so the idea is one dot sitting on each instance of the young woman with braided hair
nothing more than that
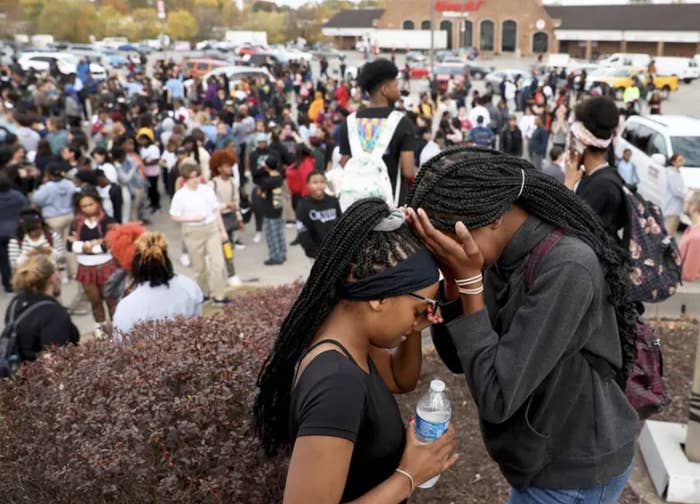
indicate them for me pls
(533, 333)
(350, 340)
(159, 293)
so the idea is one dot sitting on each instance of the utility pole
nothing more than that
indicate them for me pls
(432, 36)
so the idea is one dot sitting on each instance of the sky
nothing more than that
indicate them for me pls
(297, 3)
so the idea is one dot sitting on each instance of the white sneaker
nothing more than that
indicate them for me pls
(257, 238)
(99, 332)
(234, 281)
(239, 246)
(290, 225)
(185, 260)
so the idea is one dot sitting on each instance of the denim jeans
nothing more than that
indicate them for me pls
(607, 493)
(274, 235)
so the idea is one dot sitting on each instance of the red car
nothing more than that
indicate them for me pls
(419, 71)
(447, 71)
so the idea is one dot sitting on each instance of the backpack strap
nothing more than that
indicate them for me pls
(28, 311)
(388, 129)
(354, 135)
(538, 253)
(605, 370)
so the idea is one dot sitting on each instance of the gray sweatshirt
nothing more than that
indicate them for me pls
(547, 418)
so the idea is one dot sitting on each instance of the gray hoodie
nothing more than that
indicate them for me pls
(547, 418)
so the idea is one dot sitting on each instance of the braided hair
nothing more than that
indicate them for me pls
(477, 186)
(351, 251)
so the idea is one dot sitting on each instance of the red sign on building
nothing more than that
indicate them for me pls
(452, 6)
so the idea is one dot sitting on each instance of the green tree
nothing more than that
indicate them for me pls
(141, 23)
(72, 20)
(181, 25)
(110, 22)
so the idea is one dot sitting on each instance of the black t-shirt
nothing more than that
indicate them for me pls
(603, 192)
(335, 397)
(315, 218)
(403, 140)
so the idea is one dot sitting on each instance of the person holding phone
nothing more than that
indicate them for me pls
(588, 172)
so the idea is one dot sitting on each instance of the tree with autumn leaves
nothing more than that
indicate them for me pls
(78, 20)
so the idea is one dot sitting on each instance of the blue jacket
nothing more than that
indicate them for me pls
(11, 204)
(55, 198)
(482, 136)
(538, 142)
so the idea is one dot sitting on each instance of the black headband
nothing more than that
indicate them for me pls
(413, 273)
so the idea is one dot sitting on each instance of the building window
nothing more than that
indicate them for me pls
(425, 24)
(486, 36)
(540, 42)
(466, 33)
(446, 25)
(409, 25)
(508, 36)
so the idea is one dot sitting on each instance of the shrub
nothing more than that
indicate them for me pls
(164, 418)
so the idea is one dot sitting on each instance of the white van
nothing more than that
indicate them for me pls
(685, 68)
(652, 140)
(637, 60)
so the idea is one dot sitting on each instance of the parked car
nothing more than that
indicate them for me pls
(415, 57)
(685, 69)
(620, 79)
(652, 140)
(328, 53)
(66, 63)
(494, 79)
(478, 72)
(626, 60)
(444, 72)
(419, 70)
(236, 73)
(199, 67)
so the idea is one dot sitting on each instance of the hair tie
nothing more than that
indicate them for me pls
(522, 184)
(391, 222)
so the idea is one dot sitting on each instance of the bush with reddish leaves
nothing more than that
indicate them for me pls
(164, 418)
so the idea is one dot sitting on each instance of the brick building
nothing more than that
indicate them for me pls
(527, 27)
(492, 26)
(655, 29)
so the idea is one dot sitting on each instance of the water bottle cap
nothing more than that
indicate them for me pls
(437, 386)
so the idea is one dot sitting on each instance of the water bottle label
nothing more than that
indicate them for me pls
(430, 430)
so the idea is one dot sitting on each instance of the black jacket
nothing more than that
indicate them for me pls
(47, 325)
(512, 141)
(603, 192)
(270, 188)
(547, 417)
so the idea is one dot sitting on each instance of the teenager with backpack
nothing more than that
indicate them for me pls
(588, 172)
(34, 318)
(35, 237)
(527, 337)
(377, 139)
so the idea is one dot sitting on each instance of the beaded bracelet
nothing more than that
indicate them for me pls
(410, 479)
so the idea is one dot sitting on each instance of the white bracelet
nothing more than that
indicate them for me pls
(410, 479)
(469, 292)
(469, 281)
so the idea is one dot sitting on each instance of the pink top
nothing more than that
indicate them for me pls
(690, 253)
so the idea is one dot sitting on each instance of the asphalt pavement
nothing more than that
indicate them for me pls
(249, 262)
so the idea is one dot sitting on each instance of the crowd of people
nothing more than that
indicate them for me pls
(85, 165)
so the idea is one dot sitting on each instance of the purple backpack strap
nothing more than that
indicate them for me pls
(538, 253)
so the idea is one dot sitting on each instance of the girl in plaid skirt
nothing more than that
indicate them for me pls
(95, 262)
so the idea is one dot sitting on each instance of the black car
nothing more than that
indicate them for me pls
(478, 72)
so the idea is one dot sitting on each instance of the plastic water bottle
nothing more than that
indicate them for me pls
(432, 418)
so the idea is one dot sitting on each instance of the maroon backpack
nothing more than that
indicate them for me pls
(644, 385)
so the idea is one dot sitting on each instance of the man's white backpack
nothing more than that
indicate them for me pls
(365, 175)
